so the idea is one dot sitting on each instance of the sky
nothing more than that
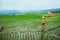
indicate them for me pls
(28, 5)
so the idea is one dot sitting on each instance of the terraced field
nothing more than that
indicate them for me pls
(28, 22)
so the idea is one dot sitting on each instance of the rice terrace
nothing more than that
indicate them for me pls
(28, 26)
(29, 19)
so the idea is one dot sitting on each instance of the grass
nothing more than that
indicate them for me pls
(32, 21)
(28, 22)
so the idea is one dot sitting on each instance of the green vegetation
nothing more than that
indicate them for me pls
(28, 22)
(32, 21)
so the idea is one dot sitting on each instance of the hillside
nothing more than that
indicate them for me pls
(17, 12)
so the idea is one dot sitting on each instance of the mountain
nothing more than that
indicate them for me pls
(51, 10)
(9, 12)
(17, 12)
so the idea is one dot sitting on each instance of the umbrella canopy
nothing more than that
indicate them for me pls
(51, 14)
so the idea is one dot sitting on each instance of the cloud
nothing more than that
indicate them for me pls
(29, 4)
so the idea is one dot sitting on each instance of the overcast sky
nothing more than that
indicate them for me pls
(25, 5)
